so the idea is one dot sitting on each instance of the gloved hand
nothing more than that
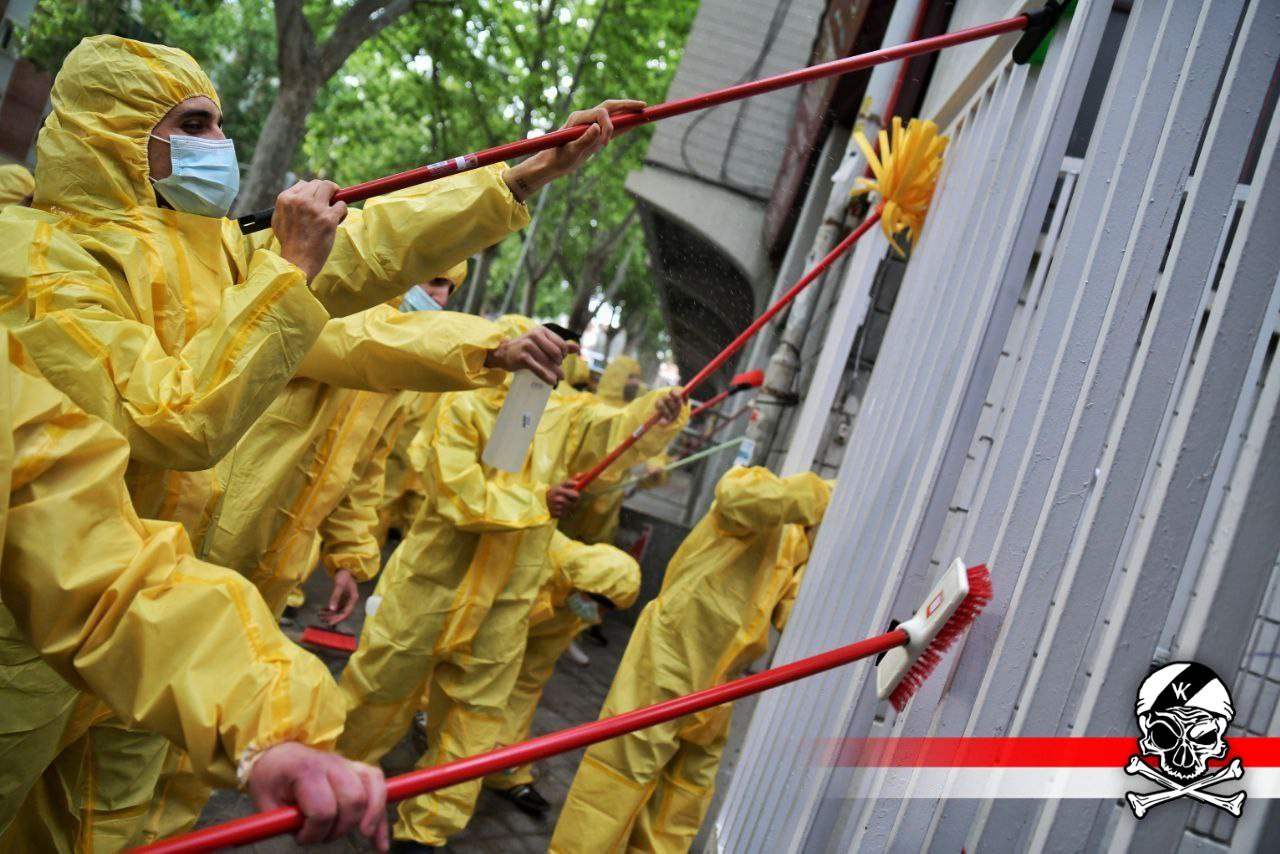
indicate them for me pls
(335, 795)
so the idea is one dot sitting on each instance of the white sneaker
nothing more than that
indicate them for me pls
(576, 655)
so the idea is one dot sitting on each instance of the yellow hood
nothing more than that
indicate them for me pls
(16, 184)
(457, 275)
(614, 379)
(576, 372)
(91, 156)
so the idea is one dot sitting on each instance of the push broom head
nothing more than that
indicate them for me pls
(751, 379)
(948, 611)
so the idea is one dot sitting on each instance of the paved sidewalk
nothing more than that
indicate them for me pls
(573, 696)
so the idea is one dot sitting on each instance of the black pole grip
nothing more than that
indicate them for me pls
(566, 334)
(258, 221)
(1039, 24)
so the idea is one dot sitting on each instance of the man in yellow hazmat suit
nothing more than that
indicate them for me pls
(288, 481)
(402, 489)
(16, 185)
(147, 308)
(738, 570)
(456, 595)
(620, 381)
(79, 606)
(595, 520)
(582, 583)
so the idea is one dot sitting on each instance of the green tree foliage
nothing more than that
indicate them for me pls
(445, 79)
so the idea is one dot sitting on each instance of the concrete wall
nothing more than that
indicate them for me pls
(704, 188)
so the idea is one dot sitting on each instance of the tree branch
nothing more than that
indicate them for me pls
(295, 40)
(361, 22)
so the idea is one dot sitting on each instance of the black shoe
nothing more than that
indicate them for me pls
(408, 846)
(596, 635)
(526, 799)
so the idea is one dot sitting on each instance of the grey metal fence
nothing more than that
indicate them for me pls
(1077, 386)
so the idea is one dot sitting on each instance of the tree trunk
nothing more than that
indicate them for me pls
(478, 281)
(580, 314)
(280, 138)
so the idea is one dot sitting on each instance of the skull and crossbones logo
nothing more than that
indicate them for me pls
(1183, 711)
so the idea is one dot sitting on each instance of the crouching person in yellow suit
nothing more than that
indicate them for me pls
(105, 612)
(584, 582)
(738, 570)
(456, 596)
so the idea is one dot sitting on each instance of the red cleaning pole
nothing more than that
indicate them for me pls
(583, 480)
(923, 648)
(742, 382)
(423, 174)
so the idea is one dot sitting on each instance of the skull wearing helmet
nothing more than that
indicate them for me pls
(1183, 710)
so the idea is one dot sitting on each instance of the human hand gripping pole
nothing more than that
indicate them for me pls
(1037, 24)
(916, 646)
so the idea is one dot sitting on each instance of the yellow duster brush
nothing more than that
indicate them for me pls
(906, 172)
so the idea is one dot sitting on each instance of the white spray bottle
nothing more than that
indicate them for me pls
(518, 419)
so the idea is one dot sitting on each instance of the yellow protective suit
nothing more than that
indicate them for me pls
(16, 184)
(738, 568)
(402, 489)
(573, 566)
(402, 492)
(174, 328)
(86, 586)
(130, 308)
(291, 483)
(293, 466)
(457, 594)
(596, 518)
(577, 375)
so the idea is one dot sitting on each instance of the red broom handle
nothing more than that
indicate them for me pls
(725, 421)
(261, 826)
(710, 403)
(555, 139)
(586, 478)
(423, 174)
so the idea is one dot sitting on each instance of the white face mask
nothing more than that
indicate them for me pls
(583, 607)
(205, 177)
(416, 299)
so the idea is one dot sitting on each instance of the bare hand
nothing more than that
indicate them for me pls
(528, 177)
(305, 222)
(669, 407)
(540, 350)
(343, 599)
(562, 499)
(335, 795)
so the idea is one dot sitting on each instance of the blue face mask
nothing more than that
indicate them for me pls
(416, 299)
(205, 177)
(583, 607)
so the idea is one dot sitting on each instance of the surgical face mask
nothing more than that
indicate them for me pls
(416, 299)
(205, 177)
(583, 607)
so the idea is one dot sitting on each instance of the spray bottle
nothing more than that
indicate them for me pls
(521, 411)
